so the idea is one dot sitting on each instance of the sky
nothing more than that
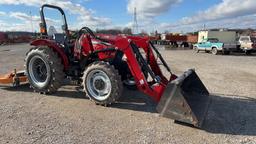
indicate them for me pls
(162, 15)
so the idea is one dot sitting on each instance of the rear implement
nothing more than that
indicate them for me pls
(15, 78)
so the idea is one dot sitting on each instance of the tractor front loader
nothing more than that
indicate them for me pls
(104, 64)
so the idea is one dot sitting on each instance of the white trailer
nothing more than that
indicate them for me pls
(222, 36)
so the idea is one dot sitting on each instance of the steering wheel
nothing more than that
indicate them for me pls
(88, 30)
(91, 33)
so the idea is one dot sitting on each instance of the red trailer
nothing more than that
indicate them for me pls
(192, 38)
(178, 40)
(19, 37)
(3, 38)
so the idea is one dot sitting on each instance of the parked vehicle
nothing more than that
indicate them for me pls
(103, 64)
(15, 37)
(176, 40)
(248, 44)
(214, 46)
(3, 38)
(192, 39)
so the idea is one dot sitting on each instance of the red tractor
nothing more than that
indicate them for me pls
(103, 64)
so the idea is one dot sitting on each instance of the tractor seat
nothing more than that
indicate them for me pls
(62, 41)
(59, 38)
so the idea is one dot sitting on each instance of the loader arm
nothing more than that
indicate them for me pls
(148, 48)
(135, 62)
(183, 98)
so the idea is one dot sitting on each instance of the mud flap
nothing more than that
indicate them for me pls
(185, 99)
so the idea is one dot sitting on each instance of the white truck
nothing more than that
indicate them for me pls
(248, 44)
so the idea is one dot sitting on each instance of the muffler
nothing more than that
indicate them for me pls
(185, 99)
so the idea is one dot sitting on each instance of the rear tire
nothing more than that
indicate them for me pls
(226, 52)
(44, 70)
(248, 52)
(102, 83)
(215, 51)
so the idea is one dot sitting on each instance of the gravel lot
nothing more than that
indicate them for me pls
(68, 117)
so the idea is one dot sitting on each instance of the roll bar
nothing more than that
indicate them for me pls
(43, 25)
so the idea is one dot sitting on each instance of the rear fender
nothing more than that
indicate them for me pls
(51, 44)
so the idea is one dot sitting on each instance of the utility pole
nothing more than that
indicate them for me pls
(31, 21)
(135, 22)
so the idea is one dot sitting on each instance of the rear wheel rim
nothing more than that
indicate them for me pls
(38, 71)
(98, 85)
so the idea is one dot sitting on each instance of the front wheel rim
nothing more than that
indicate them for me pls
(195, 49)
(214, 51)
(98, 85)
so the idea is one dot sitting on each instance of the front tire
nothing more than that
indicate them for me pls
(196, 49)
(44, 70)
(102, 83)
(215, 51)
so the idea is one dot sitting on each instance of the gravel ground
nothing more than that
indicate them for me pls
(68, 117)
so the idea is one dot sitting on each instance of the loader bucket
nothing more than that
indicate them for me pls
(185, 99)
